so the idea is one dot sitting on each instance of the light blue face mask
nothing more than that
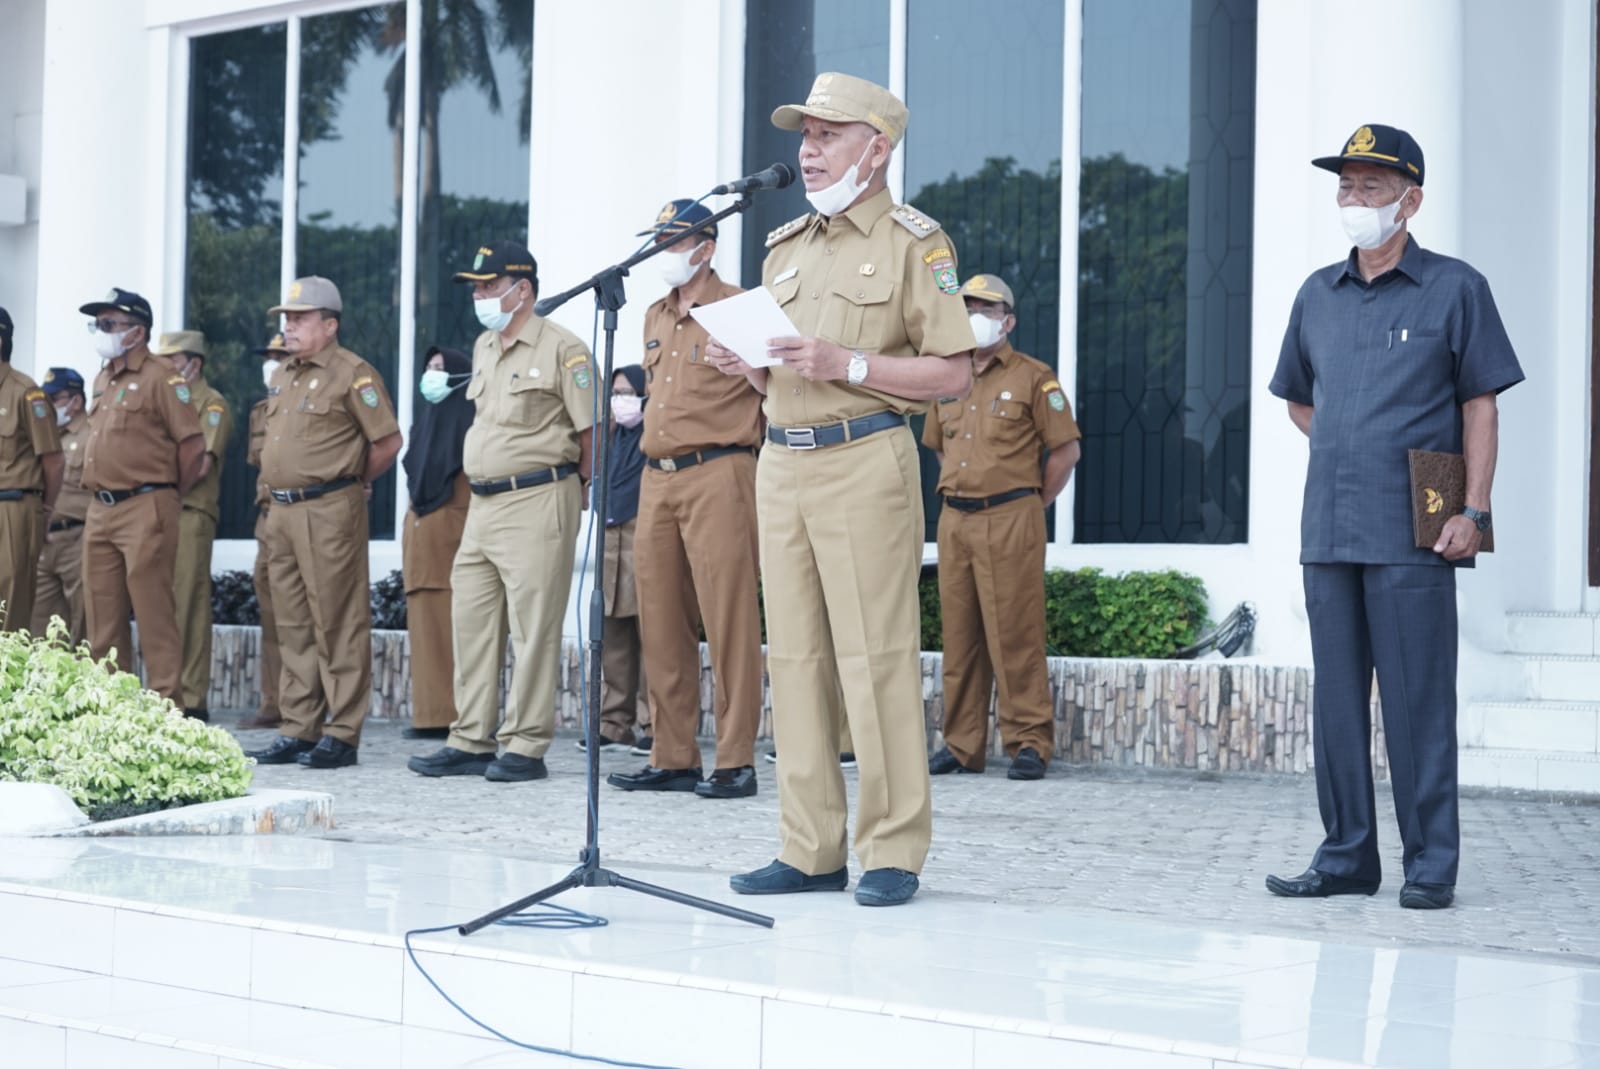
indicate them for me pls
(436, 385)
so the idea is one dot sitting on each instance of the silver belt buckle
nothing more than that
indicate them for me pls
(105, 497)
(800, 437)
(667, 464)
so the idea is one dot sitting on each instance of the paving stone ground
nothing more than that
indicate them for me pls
(1181, 847)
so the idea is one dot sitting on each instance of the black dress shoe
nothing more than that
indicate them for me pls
(425, 733)
(202, 715)
(329, 753)
(449, 761)
(650, 778)
(280, 751)
(515, 768)
(779, 878)
(1427, 895)
(945, 762)
(728, 783)
(1314, 884)
(1026, 765)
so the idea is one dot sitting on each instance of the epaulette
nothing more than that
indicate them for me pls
(787, 230)
(915, 221)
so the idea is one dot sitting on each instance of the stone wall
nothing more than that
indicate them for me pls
(1214, 715)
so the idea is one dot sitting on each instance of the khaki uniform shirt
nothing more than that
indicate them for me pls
(137, 418)
(533, 399)
(258, 435)
(692, 405)
(73, 501)
(216, 424)
(994, 439)
(27, 431)
(878, 278)
(323, 410)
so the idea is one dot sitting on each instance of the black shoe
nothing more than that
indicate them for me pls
(329, 753)
(847, 760)
(885, 887)
(1427, 895)
(606, 745)
(781, 879)
(1314, 884)
(650, 778)
(515, 768)
(425, 733)
(728, 783)
(945, 762)
(449, 761)
(280, 751)
(1026, 765)
(642, 746)
(202, 715)
(256, 721)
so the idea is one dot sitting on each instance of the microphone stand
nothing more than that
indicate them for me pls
(609, 296)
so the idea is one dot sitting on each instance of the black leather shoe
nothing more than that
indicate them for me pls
(945, 762)
(642, 746)
(202, 715)
(650, 778)
(606, 745)
(280, 751)
(425, 733)
(728, 783)
(1427, 895)
(449, 761)
(1026, 765)
(1314, 884)
(329, 753)
(515, 768)
(781, 879)
(885, 887)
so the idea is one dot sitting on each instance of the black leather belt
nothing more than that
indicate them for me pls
(689, 460)
(116, 497)
(64, 525)
(523, 481)
(978, 504)
(16, 495)
(834, 433)
(311, 493)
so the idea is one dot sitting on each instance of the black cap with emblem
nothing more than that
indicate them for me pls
(120, 300)
(501, 258)
(6, 330)
(1383, 146)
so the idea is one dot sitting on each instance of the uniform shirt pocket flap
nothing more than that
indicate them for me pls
(864, 290)
(785, 291)
(528, 381)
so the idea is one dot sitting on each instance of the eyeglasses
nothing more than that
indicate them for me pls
(111, 326)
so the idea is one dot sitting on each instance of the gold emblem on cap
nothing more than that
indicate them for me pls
(1361, 141)
(1435, 500)
(666, 215)
(294, 291)
(977, 282)
(867, 269)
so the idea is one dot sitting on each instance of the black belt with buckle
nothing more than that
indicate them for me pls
(16, 495)
(64, 525)
(978, 504)
(689, 460)
(523, 481)
(311, 493)
(834, 433)
(116, 497)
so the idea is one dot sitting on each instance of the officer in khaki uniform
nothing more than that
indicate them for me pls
(30, 478)
(696, 553)
(871, 287)
(142, 456)
(997, 483)
(197, 525)
(269, 665)
(58, 589)
(330, 431)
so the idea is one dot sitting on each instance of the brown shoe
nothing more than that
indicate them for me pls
(250, 723)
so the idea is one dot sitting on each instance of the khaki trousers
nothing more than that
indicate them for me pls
(511, 577)
(991, 598)
(130, 551)
(58, 585)
(433, 666)
(624, 700)
(21, 538)
(697, 558)
(322, 604)
(271, 664)
(192, 593)
(841, 549)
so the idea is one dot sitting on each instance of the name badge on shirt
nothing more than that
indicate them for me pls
(786, 276)
(652, 344)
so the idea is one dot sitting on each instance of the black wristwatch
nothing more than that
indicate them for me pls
(1479, 518)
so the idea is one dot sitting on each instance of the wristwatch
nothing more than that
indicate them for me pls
(1479, 518)
(856, 373)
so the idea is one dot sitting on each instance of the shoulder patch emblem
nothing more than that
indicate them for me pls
(41, 407)
(942, 262)
(914, 221)
(1053, 395)
(213, 416)
(182, 392)
(787, 230)
(35, 394)
(369, 394)
(580, 376)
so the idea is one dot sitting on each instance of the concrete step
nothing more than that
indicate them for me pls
(1556, 727)
(1531, 770)
(1562, 679)
(1566, 633)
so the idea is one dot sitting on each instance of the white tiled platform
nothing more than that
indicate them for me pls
(287, 952)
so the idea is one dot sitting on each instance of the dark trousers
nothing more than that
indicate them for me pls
(1401, 620)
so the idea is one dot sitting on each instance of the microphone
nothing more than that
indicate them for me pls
(777, 176)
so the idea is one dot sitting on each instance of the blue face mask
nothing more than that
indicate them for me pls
(436, 385)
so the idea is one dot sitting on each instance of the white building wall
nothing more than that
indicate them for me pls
(21, 113)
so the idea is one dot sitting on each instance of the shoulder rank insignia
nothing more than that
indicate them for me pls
(787, 230)
(914, 221)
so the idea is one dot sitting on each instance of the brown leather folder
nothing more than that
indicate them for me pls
(1438, 491)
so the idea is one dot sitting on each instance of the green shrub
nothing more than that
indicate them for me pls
(97, 734)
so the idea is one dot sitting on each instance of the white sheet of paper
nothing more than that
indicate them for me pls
(745, 322)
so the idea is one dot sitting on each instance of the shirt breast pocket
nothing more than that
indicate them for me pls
(9, 419)
(858, 313)
(1008, 422)
(129, 412)
(315, 417)
(530, 397)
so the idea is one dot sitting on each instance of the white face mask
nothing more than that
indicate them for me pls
(268, 369)
(843, 193)
(63, 417)
(986, 330)
(627, 409)
(491, 315)
(110, 346)
(1370, 227)
(675, 267)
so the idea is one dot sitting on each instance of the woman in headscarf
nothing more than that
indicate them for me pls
(432, 533)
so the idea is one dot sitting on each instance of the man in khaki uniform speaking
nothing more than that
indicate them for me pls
(58, 590)
(996, 485)
(142, 456)
(330, 432)
(533, 388)
(695, 549)
(197, 525)
(30, 478)
(871, 288)
(269, 664)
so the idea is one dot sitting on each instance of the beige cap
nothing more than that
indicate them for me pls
(988, 288)
(839, 97)
(310, 294)
(181, 341)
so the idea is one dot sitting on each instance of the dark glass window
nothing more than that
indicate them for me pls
(1164, 233)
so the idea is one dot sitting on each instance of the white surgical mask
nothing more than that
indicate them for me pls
(986, 330)
(675, 267)
(1370, 227)
(436, 385)
(490, 314)
(63, 417)
(627, 409)
(843, 193)
(110, 346)
(268, 369)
